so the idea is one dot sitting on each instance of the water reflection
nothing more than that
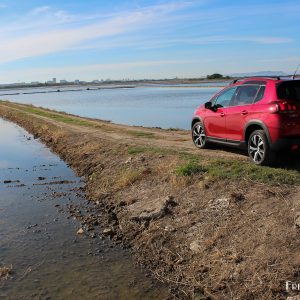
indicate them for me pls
(38, 238)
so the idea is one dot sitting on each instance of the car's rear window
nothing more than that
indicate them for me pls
(289, 90)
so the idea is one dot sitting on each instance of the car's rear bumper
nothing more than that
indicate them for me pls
(286, 144)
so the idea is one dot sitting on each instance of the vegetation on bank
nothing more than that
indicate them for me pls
(221, 169)
(217, 76)
(224, 168)
(75, 120)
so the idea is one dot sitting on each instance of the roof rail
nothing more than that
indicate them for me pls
(251, 77)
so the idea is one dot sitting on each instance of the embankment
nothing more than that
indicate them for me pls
(208, 223)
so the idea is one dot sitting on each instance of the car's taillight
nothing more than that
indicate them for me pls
(283, 107)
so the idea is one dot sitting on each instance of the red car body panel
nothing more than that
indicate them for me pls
(215, 122)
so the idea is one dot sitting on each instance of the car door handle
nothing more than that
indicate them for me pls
(222, 114)
(244, 112)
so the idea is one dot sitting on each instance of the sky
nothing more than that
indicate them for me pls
(121, 39)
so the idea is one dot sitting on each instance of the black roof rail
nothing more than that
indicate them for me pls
(251, 77)
(234, 81)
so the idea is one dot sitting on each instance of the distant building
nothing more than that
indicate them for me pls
(63, 81)
(77, 81)
(18, 83)
(53, 81)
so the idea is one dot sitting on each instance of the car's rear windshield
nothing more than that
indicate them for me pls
(289, 90)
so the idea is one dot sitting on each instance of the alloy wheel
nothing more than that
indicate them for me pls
(199, 136)
(257, 148)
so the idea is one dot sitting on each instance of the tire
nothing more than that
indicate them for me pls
(259, 150)
(199, 136)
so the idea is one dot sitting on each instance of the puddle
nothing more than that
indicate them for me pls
(38, 236)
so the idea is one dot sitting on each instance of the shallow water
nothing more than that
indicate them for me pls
(166, 107)
(38, 237)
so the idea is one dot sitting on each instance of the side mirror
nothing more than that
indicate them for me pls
(208, 105)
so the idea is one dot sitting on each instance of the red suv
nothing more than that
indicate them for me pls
(258, 114)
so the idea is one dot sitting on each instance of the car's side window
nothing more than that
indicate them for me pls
(225, 97)
(260, 94)
(246, 94)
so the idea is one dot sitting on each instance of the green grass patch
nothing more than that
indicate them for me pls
(136, 150)
(141, 134)
(236, 169)
(58, 117)
(224, 169)
(190, 168)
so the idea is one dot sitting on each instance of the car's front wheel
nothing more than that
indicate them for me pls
(259, 149)
(199, 136)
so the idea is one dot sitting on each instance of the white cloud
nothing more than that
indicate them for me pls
(37, 37)
(40, 10)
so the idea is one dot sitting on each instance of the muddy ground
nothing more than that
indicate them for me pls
(208, 223)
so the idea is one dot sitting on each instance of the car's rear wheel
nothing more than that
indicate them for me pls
(199, 136)
(259, 149)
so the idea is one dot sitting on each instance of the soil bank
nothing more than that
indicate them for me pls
(208, 223)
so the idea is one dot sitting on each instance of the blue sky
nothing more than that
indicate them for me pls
(145, 39)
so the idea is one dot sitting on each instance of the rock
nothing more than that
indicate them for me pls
(169, 228)
(108, 231)
(128, 161)
(7, 181)
(152, 210)
(80, 231)
(41, 178)
(297, 221)
(195, 246)
(31, 226)
(218, 204)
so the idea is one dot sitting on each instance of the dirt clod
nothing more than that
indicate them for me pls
(80, 231)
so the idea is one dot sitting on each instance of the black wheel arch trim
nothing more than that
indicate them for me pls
(197, 119)
(261, 124)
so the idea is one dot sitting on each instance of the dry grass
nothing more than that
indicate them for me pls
(128, 177)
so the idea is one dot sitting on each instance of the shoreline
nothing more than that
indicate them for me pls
(81, 89)
(208, 223)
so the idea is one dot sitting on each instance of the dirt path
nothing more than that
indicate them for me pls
(151, 137)
(208, 223)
